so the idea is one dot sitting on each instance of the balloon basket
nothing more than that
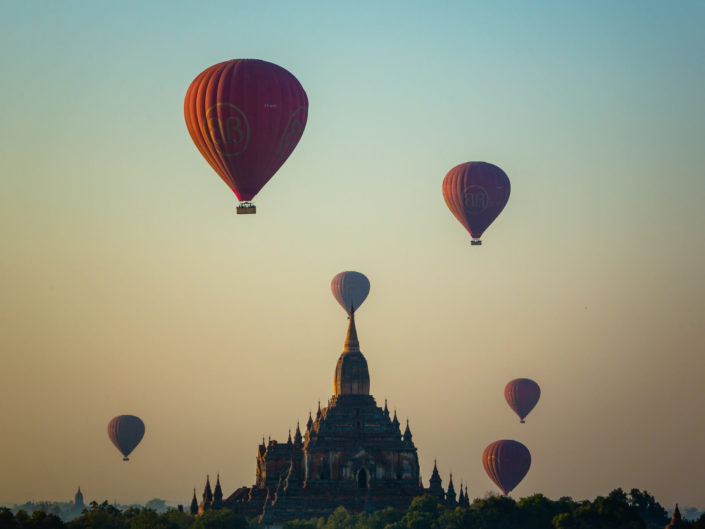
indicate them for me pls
(125, 458)
(522, 421)
(246, 208)
(476, 242)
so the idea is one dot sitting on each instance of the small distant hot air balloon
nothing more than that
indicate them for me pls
(126, 432)
(476, 192)
(522, 394)
(246, 116)
(350, 289)
(506, 463)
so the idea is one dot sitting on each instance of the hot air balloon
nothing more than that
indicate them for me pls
(476, 192)
(522, 394)
(126, 432)
(506, 463)
(246, 116)
(350, 289)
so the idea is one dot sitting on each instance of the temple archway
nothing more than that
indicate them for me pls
(362, 479)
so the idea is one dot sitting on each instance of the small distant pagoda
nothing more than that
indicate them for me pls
(676, 520)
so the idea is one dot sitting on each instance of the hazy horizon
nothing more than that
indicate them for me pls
(131, 287)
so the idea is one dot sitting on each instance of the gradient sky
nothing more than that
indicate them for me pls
(130, 286)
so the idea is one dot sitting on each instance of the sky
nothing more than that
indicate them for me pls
(129, 285)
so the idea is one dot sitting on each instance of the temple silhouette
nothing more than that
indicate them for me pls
(352, 454)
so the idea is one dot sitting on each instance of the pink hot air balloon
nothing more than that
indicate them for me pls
(522, 394)
(126, 432)
(506, 463)
(350, 289)
(246, 116)
(476, 192)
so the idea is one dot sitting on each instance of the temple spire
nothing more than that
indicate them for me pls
(676, 520)
(435, 484)
(217, 494)
(297, 435)
(450, 495)
(207, 493)
(194, 503)
(352, 377)
(351, 343)
(407, 433)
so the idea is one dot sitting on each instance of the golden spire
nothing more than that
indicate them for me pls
(351, 343)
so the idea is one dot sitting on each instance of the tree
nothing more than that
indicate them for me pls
(150, 519)
(651, 511)
(7, 520)
(458, 518)
(611, 512)
(497, 512)
(538, 512)
(219, 519)
(100, 516)
(156, 504)
(382, 518)
(178, 519)
(339, 519)
(43, 520)
(699, 523)
(301, 524)
(422, 513)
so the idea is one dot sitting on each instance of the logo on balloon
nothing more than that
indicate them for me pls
(293, 132)
(476, 199)
(228, 129)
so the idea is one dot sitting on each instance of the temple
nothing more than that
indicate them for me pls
(351, 454)
(676, 520)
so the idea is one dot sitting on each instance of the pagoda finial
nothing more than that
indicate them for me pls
(407, 432)
(297, 435)
(351, 342)
(676, 520)
(207, 492)
(194, 504)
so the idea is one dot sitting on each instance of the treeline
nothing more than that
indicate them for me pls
(618, 510)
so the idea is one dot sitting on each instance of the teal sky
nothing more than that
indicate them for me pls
(130, 286)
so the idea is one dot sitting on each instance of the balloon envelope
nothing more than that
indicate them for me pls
(246, 116)
(476, 192)
(506, 463)
(350, 289)
(522, 394)
(126, 432)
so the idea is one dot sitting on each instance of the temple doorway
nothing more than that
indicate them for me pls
(362, 479)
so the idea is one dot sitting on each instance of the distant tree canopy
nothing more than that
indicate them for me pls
(618, 510)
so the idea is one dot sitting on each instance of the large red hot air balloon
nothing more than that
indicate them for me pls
(522, 394)
(246, 117)
(350, 289)
(126, 432)
(476, 192)
(506, 463)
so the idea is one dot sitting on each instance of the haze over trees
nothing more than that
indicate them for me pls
(618, 510)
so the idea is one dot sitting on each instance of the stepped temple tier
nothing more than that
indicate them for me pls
(351, 454)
